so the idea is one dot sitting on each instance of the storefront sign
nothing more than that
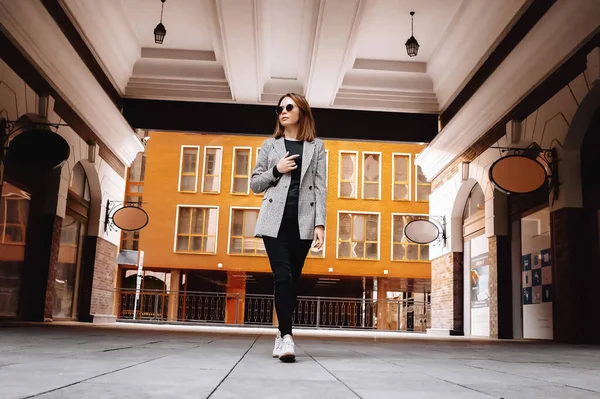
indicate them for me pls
(421, 231)
(130, 218)
(518, 174)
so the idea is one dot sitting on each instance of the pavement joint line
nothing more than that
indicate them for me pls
(532, 378)
(233, 368)
(429, 375)
(94, 377)
(333, 375)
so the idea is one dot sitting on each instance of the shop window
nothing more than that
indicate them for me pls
(213, 160)
(371, 176)
(358, 236)
(348, 175)
(241, 237)
(402, 248)
(401, 177)
(197, 229)
(240, 179)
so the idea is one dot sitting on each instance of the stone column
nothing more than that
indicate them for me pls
(500, 287)
(383, 319)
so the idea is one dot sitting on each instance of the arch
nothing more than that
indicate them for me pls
(571, 194)
(460, 201)
(95, 198)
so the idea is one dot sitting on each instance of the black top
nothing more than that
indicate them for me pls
(291, 205)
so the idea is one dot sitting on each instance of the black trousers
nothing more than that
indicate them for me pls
(287, 254)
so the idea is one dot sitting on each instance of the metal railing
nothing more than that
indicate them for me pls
(253, 309)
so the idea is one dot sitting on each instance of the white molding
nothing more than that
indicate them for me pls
(362, 194)
(340, 152)
(337, 240)
(549, 43)
(235, 148)
(183, 147)
(208, 147)
(409, 173)
(34, 31)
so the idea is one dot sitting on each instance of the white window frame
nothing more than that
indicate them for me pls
(356, 167)
(417, 185)
(233, 166)
(179, 206)
(409, 175)
(231, 209)
(255, 162)
(363, 175)
(337, 239)
(392, 237)
(206, 148)
(183, 147)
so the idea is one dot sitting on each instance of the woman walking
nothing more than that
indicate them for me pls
(291, 171)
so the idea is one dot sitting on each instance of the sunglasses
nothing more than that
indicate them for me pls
(288, 108)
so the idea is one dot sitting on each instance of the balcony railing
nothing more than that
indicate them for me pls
(253, 309)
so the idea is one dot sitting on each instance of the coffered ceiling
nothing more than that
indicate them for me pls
(346, 54)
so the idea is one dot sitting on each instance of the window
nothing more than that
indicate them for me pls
(371, 176)
(213, 161)
(402, 249)
(197, 229)
(326, 168)
(401, 177)
(14, 212)
(188, 169)
(240, 179)
(423, 188)
(348, 174)
(241, 237)
(255, 162)
(358, 235)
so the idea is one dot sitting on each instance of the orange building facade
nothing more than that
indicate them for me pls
(195, 188)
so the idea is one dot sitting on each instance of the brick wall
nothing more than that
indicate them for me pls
(105, 268)
(500, 286)
(447, 292)
(52, 264)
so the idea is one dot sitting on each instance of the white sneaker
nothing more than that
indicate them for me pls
(278, 345)
(287, 353)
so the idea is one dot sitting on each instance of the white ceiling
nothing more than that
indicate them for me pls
(339, 53)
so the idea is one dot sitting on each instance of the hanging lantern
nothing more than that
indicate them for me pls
(160, 31)
(412, 45)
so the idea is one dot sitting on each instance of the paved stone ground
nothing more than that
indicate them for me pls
(84, 361)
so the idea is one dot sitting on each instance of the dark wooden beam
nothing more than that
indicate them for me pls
(72, 34)
(530, 17)
(260, 120)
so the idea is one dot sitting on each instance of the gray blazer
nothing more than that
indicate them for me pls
(313, 191)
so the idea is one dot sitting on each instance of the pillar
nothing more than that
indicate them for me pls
(383, 317)
(173, 309)
(500, 287)
(236, 297)
(447, 295)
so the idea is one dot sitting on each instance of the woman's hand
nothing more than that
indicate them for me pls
(319, 237)
(287, 163)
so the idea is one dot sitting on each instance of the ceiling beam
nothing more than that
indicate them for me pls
(239, 32)
(334, 48)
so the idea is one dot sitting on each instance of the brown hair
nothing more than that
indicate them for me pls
(305, 119)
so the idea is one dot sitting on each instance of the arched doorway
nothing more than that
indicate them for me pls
(74, 229)
(476, 265)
